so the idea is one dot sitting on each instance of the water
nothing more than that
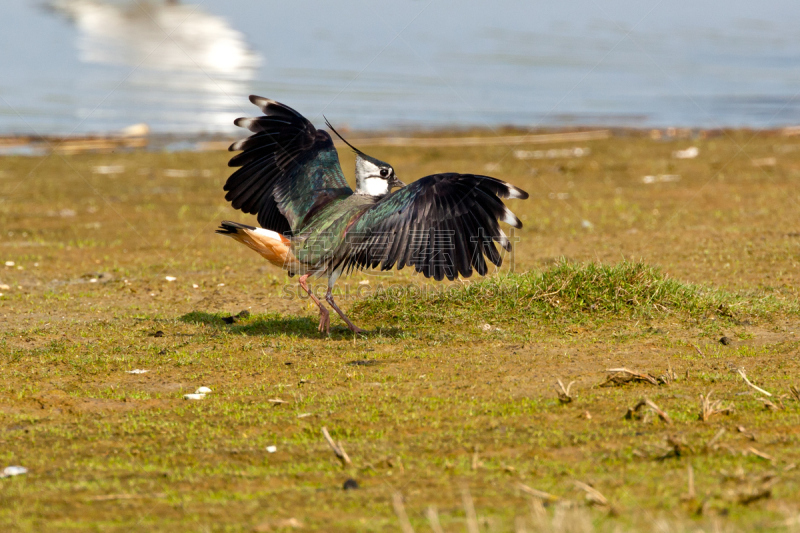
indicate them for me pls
(82, 66)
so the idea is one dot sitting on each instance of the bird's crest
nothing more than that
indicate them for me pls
(356, 150)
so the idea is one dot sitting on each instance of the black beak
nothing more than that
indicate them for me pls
(394, 182)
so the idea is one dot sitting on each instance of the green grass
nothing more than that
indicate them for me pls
(429, 402)
(565, 292)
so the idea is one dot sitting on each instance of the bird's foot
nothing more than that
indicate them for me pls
(324, 321)
(355, 329)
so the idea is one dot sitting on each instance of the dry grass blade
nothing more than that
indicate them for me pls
(761, 454)
(400, 511)
(338, 449)
(741, 372)
(593, 496)
(277, 401)
(433, 519)
(476, 458)
(690, 491)
(795, 392)
(709, 408)
(769, 405)
(620, 376)
(469, 510)
(563, 392)
(661, 413)
(112, 497)
(541, 495)
(712, 444)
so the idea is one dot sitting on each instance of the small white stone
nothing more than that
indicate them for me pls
(193, 396)
(220, 285)
(4, 287)
(170, 278)
(202, 390)
(272, 449)
(136, 371)
(9, 263)
(93, 280)
(13, 471)
(195, 286)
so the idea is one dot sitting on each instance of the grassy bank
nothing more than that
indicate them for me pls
(628, 258)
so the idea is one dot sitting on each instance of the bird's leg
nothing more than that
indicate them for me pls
(324, 315)
(329, 299)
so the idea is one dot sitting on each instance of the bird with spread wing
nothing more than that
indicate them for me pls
(313, 224)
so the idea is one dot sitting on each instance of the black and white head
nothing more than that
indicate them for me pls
(373, 176)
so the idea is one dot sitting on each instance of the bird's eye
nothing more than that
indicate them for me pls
(384, 172)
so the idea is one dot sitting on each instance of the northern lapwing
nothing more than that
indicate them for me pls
(314, 224)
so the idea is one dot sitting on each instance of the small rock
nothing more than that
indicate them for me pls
(158, 333)
(203, 390)
(725, 341)
(170, 278)
(243, 314)
(9, 263)
(136, 371)
(689, 153)
(272, 449)
(11, 471)
(350, 484)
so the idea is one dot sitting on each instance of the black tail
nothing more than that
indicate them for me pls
(232, 228)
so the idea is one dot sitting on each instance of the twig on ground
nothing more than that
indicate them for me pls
(652, 406)
(563, 393)
(541, 495)
(620, 376)
(433, 519)
(750, 435)
(593, 496)
(400, 511)
(469, 510)
(338, 449)
(744, 377)
(709, 408)
(698, 350)
(678, 447)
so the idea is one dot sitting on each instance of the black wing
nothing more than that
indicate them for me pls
(443, 225)
(288, 168)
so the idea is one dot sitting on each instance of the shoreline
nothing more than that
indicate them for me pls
(38, 145)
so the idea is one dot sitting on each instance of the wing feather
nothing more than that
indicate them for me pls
(286, 167)
(444, 225)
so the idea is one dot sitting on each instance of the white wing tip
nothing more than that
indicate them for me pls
(511, 219)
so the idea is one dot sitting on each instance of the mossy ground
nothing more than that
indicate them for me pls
(452, 391)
